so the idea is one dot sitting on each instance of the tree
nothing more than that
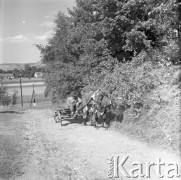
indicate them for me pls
(59, 61)
(16, 73)
(98, 35)
(27, 70)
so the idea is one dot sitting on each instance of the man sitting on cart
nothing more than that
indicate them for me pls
(73, 102)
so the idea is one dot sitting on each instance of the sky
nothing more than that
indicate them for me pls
(24, 23)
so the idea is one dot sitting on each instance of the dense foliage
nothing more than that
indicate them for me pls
(112, 44)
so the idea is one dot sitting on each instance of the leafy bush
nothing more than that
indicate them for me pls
(130, 82)
(5, 99)
(14, 97)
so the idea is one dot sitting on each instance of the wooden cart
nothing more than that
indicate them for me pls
(64, 114)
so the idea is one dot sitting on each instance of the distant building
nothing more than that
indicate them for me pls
(7, 76)
(38, 74)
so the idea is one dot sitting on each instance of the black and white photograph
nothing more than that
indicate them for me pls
(90, 89)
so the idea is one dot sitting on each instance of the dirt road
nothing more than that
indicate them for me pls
(34, 147)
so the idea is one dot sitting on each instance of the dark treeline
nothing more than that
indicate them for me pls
(28, 71)
(112, 45)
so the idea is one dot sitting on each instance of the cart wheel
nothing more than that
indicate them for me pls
(59, 117)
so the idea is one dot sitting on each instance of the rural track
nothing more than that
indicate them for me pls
(78, 152)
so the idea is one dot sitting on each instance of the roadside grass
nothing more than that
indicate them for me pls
(12, 144)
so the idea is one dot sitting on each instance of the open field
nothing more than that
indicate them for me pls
(27, 86)
(27, 93)
(24, 80)
(11, 66)
(27, 89)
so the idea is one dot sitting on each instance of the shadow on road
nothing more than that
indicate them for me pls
(72, 121)
(11, 112)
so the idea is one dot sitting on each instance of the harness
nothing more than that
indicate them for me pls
(98, 105)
